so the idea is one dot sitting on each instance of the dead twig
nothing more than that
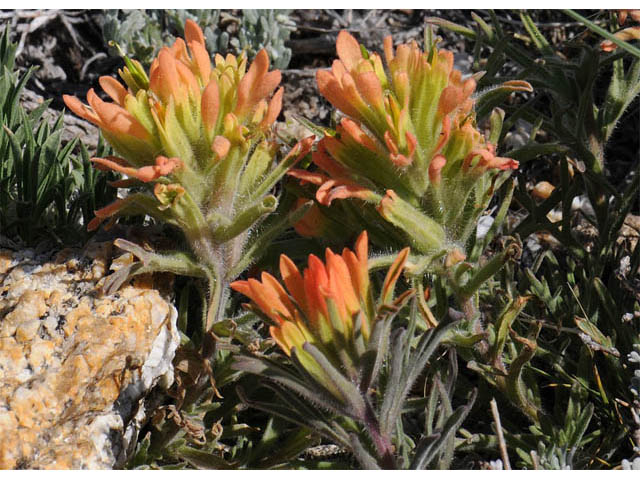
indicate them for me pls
(70, 29)
(333, 14)
(501, 442)
(306, 72)
(85, 67)
(534, 460)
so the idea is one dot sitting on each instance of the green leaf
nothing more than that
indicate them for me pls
(396, 382)
(245, 219)
(7, 50)
(623, 88)
(484, 26)
(497, 224)
(179, 263)
(354, 400)
(494, 96)
(431, 445)
(602, 32)
(289, 448)
(536, 36)
(372, 359)
(314, 392)
(366, 460)
(273, 177)
(454, 27)
(294, 409)
(205, 460)
(581, 424)
(488, 270)
(503, 324)
(595, 340)
(535, 150)
(516, 388)
(496, 120)
(406, 375)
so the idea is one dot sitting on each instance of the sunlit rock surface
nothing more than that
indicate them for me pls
(75, 364)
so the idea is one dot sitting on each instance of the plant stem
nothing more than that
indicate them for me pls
(215, 308)
(384, 447)
(471, 312)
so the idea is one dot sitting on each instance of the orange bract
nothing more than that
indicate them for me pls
(186, 116)
(184, 90)
(409, 129)
(394, 118)
(320, 305)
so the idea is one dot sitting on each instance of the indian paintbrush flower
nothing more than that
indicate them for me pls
(196, 138)
(329, 306)
(408, 144)
(352, 368)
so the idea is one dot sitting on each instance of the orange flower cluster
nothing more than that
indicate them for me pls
(329, 305)
(343, 284)
(408, 132)
(184, 91)
(185, 117)
(195, 138)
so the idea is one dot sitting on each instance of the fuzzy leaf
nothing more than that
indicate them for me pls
(372, 359)
(498, 222)
(454, 27)
(178, 263)
(300, 413)
(396, 383)
(430, 445)
(591, 336)
(488, 270)
(352, 396)
(270, 370)
(201, 459)
(623, 88)
(536, 36)
(534, 150)
(495, 96)
(365, 459)
(245, 219)
(418, 360)
(503, 324)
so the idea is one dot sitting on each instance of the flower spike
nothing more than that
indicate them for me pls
(196, 138)
(321, 305)
(409, 130)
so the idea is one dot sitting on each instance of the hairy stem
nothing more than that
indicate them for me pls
(214, 306)
(382, 443)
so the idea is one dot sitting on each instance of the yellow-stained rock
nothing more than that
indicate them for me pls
(5, 261)
(67, 353)
(26, 331)
(40, 353)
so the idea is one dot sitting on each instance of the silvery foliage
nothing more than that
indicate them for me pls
(634, 360)
(138, 32)
(268, 29)
(554, 457)
(141, 33)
